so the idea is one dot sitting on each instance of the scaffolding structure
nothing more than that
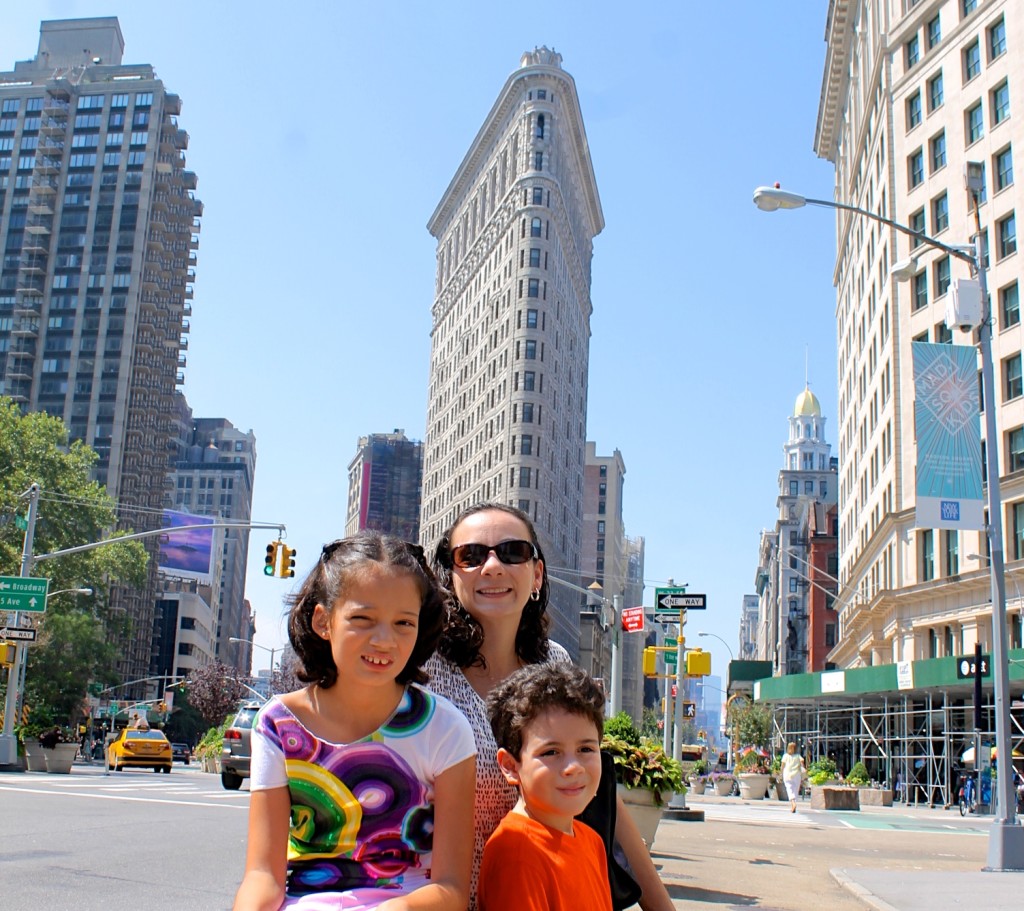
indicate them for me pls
(913, 743)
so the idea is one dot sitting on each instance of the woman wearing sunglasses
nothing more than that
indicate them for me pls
(491, 561)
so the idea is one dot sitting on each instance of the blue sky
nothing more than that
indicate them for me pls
(324, 134)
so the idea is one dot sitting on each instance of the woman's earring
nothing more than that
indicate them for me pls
(535, 595)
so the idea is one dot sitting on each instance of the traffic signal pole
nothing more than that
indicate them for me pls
(15, 676)
(8, 742)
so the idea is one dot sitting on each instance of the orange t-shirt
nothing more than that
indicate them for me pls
(529, 866)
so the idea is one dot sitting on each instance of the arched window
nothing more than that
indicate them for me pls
(539, 131)
(535, 227)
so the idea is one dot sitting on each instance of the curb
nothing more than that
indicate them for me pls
(865, 895)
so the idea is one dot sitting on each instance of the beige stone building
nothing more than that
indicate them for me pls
(510, 344)
(912, 91)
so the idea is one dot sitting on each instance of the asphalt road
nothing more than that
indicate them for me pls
(90, 841)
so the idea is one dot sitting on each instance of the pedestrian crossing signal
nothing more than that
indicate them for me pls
(8, 652)
(270, 567)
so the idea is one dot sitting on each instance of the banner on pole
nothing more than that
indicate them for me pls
(948, 430)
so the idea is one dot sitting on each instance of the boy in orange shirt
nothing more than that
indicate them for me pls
(547, 720)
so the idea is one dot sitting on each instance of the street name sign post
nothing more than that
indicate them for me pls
(674, 600)
(24, 594)
(671, 658)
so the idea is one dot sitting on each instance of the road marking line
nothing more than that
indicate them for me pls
(181, 803)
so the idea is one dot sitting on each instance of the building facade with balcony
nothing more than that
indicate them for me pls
(911, 93)
(510, 339)
(98, 227)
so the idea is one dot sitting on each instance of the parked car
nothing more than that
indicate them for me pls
(139, 748)
(237, 750)
(181, 752)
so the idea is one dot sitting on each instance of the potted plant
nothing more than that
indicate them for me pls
(827, 792)
(868, 793)
(59, 750)
(752, 772)
(697, 779)
(208, 750)
(644, 774)
(28, 737)
(723, 782)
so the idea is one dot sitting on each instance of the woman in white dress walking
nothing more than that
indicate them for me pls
(793, 773)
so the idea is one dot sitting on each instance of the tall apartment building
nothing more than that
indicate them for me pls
(98, 228)
(384, 479)
(510, 344)
(911, 93)
(785, 572)
(213, 474)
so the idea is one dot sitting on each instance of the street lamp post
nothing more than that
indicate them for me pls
(265, 648)
(1006, 837)
(732, 657)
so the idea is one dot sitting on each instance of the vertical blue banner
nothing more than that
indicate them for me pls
(948, 428)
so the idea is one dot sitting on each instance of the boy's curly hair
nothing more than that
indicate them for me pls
(524, 695)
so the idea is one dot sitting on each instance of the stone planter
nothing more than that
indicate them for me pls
(834, 797)
(723, 786)
(211, 764)
(753, 785)
(644, 811)
(875, 797)
(35, 759)
(697, 784)
(60, 759)
(778, 790)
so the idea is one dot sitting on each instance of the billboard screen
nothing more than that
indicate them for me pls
(187, 554)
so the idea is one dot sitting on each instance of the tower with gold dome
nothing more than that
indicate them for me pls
(790, 574)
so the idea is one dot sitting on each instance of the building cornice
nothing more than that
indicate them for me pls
(502, 110)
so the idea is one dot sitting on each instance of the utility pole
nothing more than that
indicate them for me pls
(616, 686)
(8, 742)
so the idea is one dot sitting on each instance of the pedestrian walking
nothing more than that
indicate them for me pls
(793, 774)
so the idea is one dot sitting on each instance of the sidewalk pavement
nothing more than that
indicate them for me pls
(754, 853)
(931, 890)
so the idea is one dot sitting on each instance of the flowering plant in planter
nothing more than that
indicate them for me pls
(646, 766)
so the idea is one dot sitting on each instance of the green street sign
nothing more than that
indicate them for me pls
(671, 657)
(21, 522)
(23, 594)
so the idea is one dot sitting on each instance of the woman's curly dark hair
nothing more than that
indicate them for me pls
(462, 635)
(339, 562)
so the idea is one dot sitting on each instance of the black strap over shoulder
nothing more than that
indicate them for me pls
(600, 816)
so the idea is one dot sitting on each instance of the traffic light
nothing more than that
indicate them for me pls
(270, 569)
(650, 662)
(689, 710)
(287, 565)
(698, 663)
(8, 651)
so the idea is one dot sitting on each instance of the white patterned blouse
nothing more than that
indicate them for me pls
(494, 796)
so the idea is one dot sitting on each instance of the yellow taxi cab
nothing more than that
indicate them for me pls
(139, 748)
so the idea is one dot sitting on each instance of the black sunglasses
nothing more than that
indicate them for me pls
(511, 553)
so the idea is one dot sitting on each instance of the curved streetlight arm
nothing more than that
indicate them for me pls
(770, 199)
(732, 657)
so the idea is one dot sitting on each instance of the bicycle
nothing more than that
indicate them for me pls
(968, 797)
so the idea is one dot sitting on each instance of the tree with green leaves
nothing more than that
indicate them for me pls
(75, 634)
(751, 724)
